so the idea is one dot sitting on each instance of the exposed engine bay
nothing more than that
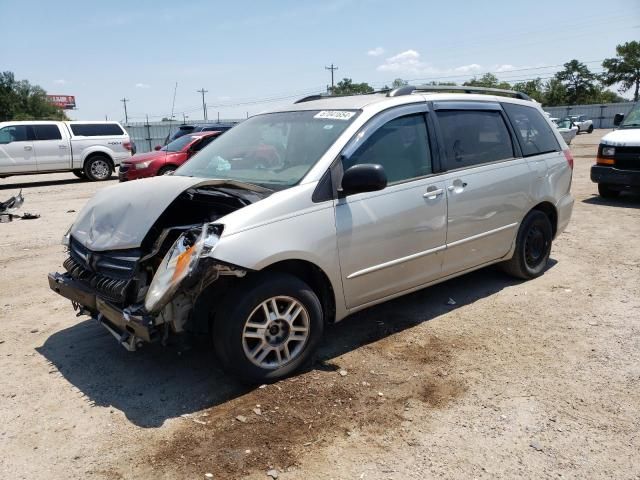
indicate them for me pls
(146, 293)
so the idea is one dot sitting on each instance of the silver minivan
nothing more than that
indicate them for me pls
(296, 218)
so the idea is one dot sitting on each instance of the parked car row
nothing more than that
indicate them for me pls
(298, 217)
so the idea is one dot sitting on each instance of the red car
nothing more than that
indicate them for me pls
(167, 158)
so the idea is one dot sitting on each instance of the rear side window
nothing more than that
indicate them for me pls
(401, 146)
(533, 131)
(96, 129)
(474, 137)
(47, 132)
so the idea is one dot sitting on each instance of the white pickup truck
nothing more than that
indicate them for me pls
(90, 150)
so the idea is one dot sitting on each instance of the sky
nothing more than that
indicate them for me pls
(251, 56)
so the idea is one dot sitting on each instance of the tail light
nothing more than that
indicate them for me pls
(127, 145)
(569, 157)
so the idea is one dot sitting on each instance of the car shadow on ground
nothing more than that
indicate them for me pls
(155, 383)
(44, 183)
(625, 200)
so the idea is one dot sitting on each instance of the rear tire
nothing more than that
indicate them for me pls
(606, 191)
(533, 247)
(260, 348)
(98, 168)
(590, 129)
(80, 174)
(166, 169)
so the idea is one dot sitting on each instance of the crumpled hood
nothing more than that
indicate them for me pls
(119, 216)
(624, 137)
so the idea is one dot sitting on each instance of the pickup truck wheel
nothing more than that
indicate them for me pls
(166, 169)
(606, 191)
(590, 129)
(80, 174)
(98, 168)
(533, 247)
(269, 329)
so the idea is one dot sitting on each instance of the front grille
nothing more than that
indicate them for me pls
(627, 158)
(111, 274)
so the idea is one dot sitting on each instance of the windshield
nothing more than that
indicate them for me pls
(273, 150)
(178, 145)
(632, 119)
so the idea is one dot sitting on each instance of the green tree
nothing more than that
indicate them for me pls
(579, 82)
(487, 80)
(624, 68)
(347, 87)
(398, 82)
(555, 93)
(19, 100)
(533, 88)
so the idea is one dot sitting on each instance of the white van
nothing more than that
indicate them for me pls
(90, 150)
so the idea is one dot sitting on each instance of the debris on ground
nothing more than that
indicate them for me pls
(342, 372)
(241, 418)
(536, 446)
(273, 473)
(8, 208)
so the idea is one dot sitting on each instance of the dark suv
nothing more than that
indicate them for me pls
(199, 127)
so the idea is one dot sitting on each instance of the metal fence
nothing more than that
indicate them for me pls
(148, 135)
(601, 114)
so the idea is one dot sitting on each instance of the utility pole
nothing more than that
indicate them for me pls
(126, 117)
(204, 105)
(184, 119)
(332, 68)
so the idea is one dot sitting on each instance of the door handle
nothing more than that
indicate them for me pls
(28, 147)
(431, 194)
(62, 147)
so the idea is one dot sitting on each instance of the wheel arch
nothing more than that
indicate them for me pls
(98, 153)
(551, 212)
(313, 276)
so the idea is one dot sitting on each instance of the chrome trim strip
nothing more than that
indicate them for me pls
(397, 261)
(480, 235)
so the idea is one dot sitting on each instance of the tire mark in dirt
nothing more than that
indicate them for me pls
(275, 425)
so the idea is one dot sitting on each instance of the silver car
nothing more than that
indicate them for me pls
(297, 218)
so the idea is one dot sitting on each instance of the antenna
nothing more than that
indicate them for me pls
(173, 106)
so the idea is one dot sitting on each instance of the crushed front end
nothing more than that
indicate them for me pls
(148, 293)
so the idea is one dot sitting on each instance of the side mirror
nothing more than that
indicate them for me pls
(366, 177)
(617, 119)
(157, 147)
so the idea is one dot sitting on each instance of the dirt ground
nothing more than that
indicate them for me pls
(536, 379)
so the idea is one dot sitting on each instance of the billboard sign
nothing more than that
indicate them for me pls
(65, 102)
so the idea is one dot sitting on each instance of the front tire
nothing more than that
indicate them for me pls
(98, 168)
(533, 247)
(606, 191)
(590, 129)
(269, 329)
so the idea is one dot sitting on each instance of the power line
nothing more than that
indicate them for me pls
(204, 105)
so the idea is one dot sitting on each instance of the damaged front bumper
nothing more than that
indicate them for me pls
(129, 328)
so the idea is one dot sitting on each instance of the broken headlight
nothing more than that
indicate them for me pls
(180, 261)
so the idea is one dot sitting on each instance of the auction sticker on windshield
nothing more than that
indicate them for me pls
(334, 115)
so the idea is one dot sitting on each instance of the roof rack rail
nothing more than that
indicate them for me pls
(409, 89)
(320, 96)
